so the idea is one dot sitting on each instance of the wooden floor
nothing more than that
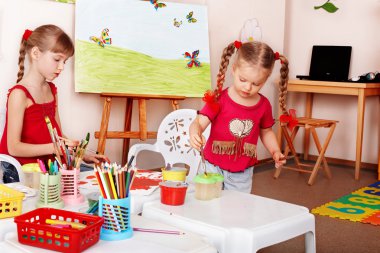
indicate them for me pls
(332, 235)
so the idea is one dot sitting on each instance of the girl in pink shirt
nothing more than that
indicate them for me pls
(239, 115)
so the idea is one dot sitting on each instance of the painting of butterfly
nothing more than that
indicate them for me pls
(190, 18)
(177, 23)
(192, 59)
(157, 4)
(104, 39)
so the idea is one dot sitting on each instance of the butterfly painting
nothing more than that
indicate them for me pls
(177, 23)
(192, 59)
(157, 4)
(190, 18)
(104, 39)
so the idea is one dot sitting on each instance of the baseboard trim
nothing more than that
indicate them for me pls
(330, 160)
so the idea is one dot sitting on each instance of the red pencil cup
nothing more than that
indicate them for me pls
(173, 193)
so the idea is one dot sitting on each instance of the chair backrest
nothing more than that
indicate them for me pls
(173, 140)
(7, 158)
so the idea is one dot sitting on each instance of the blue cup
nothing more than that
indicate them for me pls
(117, 219)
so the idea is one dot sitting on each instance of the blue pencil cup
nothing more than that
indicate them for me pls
(117, 219)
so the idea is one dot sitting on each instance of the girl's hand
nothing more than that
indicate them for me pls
(279, 159)
(69, 143)
(95, 158)
(197, 141)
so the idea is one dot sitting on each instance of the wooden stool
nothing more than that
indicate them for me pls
(312, 124)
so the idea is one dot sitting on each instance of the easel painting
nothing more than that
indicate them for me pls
(141, 47)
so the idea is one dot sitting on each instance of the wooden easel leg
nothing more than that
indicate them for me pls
(127, 128)
(175, 104)
(142, 120)
(104, 125)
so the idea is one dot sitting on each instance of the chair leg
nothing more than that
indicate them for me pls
(291, 147)
(321, 154)
(319, 148)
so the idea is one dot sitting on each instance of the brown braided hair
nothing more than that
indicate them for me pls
(46, 38)
(257, 54)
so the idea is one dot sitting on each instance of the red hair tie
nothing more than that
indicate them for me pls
(210, 99)
(277, 57)
(237, 44)
(27, 34)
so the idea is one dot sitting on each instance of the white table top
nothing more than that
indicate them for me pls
(140, 241)
(233, 209)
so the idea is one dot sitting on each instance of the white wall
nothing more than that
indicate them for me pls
(355, 24)
(81, 113)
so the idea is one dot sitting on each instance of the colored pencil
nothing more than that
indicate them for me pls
(172, 232)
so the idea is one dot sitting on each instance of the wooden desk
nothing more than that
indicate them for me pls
(361, 90)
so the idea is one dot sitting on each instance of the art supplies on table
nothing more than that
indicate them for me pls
(58, 230)
(50, 191)
(32, 175)
(114, 203)
(10, 202)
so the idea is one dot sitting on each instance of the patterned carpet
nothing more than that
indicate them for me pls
(362, 205)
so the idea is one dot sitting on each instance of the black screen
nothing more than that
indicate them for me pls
(330, 63)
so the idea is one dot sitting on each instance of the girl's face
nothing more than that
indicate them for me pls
(248, 79)
(51, 64)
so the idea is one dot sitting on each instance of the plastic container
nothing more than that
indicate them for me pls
(50, 191)
(174, 174)
(33, 230)
(69, 183)
(117, 219)
(173, 193)
(205, 186)
(32, 173)
(10, 202)
(218, 184)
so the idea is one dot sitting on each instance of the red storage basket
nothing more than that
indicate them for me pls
(34, 231)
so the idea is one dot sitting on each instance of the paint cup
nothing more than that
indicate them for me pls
(174, 174)
(32, 175)
(205, 186)
(173, 193)
(218, 184)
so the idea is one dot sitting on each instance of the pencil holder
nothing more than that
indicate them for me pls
(117, 219)
(50, 191)
(69, 183)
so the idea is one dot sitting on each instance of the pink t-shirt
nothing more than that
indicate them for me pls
(235, 130)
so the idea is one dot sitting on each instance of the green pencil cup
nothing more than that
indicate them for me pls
(50, 191)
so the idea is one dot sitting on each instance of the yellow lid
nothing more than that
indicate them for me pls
(31, 167)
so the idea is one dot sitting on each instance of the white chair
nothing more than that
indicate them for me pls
(173, 141)
(7, 158)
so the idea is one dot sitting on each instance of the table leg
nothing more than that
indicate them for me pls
(308, 112)
(104, 125)
(359, 132)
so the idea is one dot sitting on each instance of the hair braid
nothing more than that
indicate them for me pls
(227, 53)
(283, 84)
(21, 60)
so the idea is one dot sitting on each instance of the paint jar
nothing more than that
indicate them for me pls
(173, 193)
(219, 178)
(32, 175)
(205, 186)
(174, 174)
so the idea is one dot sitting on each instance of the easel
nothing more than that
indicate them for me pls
(127, 134)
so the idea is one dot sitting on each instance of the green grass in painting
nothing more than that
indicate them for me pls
(118, 70)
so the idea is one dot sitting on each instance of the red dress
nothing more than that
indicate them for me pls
(34, 129)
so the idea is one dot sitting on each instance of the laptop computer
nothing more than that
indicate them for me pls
(329, 63)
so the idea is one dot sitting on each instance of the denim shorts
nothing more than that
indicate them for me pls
(238, 181)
